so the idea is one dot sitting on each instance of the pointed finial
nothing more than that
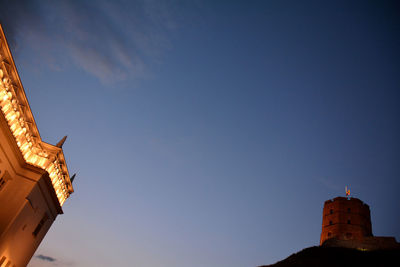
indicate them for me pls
(72, 178)
(60, 144)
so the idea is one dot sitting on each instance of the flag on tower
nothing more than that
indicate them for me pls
(347, 191)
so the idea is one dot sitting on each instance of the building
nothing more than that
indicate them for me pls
(34, 179)
(345, 219)
(346, 222)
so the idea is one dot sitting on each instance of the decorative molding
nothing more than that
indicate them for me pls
(15, 109)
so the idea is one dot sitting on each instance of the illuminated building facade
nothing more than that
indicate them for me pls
(34, 179)
(346, 219)
(346, 222)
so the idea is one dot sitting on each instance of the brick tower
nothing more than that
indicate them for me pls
(345, 219)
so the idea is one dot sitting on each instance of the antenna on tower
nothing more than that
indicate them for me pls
(347, 192)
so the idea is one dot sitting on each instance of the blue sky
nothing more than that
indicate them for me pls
(209, 133)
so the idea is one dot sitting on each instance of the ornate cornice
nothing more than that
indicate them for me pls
(15, 109)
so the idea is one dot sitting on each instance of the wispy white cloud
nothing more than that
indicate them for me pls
(112, 40)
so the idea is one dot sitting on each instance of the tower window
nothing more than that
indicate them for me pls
(3, 259)
(348, 221)
(330, 223)
(2, 182)
(4, 177)
(329, 234)
(331, 211)
(348, 210)
(40, 225)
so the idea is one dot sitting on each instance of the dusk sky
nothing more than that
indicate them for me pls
(210, 133)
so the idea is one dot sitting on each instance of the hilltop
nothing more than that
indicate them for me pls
(338, 256)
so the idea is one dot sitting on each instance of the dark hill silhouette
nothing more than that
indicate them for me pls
(338, 256)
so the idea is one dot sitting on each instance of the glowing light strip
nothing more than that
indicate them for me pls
(27, 143)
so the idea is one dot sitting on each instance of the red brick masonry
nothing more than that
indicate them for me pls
(345, 219)
(347, 223)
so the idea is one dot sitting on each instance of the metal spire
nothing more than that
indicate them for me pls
(60, 144)
(72, 178)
